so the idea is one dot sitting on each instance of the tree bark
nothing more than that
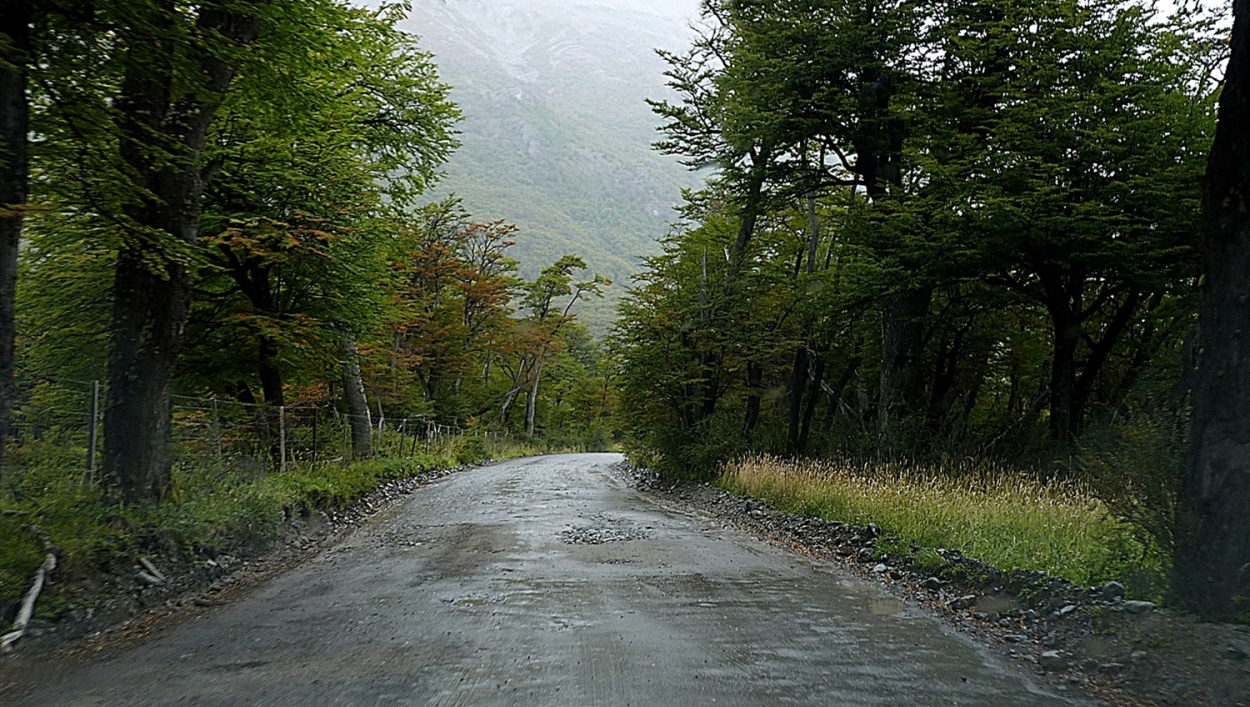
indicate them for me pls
(1098, 355)
(14, 160)
(531, 402)
(1067, 336)
(755, 379)
(798, 388)
(902, 352)
(879, 164)
(358, 418)
(1212, 557)
(518, 382)
(809, 411)
(271, 386)
(1070, 388)
(152, 290)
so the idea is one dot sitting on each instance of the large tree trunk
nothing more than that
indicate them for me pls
(1212, 560)
(902, 353)
(148, 316)
(152, 290)
(532, 401)
(879, 164)
(754, 385)
(358, 418)
(14, 158)
(1067, 336)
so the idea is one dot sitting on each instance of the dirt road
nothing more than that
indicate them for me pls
(549, 581)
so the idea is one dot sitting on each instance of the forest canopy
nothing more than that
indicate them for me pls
(225, 201)
(964, 226)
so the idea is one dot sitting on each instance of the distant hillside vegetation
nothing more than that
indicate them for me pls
(556, 132)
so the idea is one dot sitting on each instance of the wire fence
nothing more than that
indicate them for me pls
(62, 421)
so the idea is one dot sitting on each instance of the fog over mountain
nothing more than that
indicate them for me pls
(556, 132)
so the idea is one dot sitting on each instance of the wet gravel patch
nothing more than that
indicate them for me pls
(1091, 640)
(605, 530)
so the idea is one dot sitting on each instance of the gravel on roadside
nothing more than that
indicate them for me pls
(1090, 639)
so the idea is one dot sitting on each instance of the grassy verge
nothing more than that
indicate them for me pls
(212, 509)
(1005, 518)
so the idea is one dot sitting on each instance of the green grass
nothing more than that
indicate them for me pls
(1006, 518)
(211, 509)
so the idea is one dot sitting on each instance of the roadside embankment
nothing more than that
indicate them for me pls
(1093, 638)
(120, 567)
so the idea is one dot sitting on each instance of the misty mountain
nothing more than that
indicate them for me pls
(557, 134)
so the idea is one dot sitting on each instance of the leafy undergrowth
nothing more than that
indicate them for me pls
(214, 508)
(1003, 517)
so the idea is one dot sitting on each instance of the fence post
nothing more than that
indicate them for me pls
(217, 430)
(347, 425)
(282, 438)
(92, 420)
(377, 445)
(314, 439)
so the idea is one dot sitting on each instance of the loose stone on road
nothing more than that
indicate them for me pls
(550, 581)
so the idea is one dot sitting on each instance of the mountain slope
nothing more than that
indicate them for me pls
(557, 132)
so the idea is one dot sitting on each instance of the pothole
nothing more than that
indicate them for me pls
(606, 530)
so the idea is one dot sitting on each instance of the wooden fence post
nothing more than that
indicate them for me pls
(92, 422)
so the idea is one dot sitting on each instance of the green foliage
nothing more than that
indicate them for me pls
(312, 245)
(319, 146)
(1135, 467)
(211, 510)
(470, 448)
(962, 230)
(929, 561)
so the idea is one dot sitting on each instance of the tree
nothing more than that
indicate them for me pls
(555, 281)
(449, 283)
(1210, 565)
(15, 50)
(304, 194)
(1044, 182)
(179, 63)
(960, 225)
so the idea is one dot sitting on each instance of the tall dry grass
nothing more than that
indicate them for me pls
(1005, 517)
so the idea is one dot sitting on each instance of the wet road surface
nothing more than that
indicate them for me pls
(549, 581)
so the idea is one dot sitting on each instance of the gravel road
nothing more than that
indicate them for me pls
(548, 581)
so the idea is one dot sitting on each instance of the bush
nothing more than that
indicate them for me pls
(1135, 468)
(469, 449)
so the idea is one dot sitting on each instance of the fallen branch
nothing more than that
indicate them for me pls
(28, 605)
(151, 568)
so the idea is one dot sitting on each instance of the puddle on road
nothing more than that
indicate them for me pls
(885, 606)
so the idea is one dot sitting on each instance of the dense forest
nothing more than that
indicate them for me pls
(226, 201)
(958, 229)
(965, 227)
